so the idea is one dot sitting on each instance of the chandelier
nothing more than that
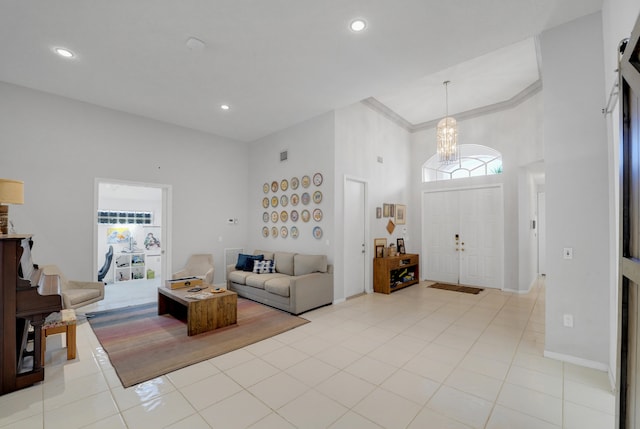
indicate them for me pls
(447, 134)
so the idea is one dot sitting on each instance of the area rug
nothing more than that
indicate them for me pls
(142, 345)
(457, 288)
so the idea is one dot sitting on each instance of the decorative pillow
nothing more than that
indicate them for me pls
(265, 266)
(245, 262)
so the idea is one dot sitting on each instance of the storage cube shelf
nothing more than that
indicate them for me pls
(129, 266)
(395, 272)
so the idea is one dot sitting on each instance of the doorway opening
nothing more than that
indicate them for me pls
(131, 239)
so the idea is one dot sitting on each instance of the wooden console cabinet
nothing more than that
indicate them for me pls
(395, 272)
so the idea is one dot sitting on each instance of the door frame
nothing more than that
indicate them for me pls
(368, 264)
(166, 225)
(629, 264)
(423, 262)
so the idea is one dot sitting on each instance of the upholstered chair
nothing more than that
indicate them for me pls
(198, 265)
(74, 293)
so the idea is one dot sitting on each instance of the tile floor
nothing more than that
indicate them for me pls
(418, 358)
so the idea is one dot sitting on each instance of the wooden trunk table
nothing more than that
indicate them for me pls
(202, 315)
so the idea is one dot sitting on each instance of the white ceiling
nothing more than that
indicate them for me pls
(276, 62)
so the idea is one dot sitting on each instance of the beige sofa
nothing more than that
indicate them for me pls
(301, 282)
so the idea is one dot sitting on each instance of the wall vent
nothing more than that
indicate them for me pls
(284, 155)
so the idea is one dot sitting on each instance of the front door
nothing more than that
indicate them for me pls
(463, 238)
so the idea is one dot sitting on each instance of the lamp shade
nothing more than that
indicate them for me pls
(11, 191)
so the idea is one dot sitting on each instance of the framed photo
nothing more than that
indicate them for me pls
(400, 242)
(379, 242)
(385, 210)
(379, 251)
(401, 250)
(378, 212)
(401, 214)
(392, 210)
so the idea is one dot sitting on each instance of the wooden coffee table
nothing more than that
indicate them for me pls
(202, 315)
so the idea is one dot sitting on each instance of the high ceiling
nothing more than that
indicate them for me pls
(276, 62)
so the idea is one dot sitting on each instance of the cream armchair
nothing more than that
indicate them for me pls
(198, 265)
(74, 293)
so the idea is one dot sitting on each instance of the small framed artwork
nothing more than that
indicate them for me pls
(379, 251)
(379, 242)
(378, 212)
(401, 214)
(400, 242)
(401, 250)
(390, 226)
(385, 210)
(392, 210)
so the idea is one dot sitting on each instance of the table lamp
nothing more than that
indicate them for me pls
(11, 192)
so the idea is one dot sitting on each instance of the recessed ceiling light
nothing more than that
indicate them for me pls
(357, 25)
(225, 107)
(63, 52)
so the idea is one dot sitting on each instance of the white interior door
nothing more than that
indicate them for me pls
(354, 238)
(463, 237)
(542, 235)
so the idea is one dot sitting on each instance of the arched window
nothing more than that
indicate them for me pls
(475, 160)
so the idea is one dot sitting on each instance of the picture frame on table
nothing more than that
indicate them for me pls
(401, 214)
(400, 242)
(379, 251)
(401, 250)
(379, 242)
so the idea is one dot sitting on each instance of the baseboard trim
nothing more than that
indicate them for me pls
(612, 380)
(577, 361)
(339, 300)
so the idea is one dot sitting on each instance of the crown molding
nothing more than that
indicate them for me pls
(523, 95)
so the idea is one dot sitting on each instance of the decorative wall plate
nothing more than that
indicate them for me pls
(274, 186)
(317, 215)
(294, 199)
(284, 184)
(265, 231)
(317, 232)
(274, 216)
(284, 201)
(305, 198)
(265, 217)
(317, 179)
(265, 188)
(294, 232)
(284, 232)
(305, 215)
(265, 202)
(274, 201)
(294, 216)
(294, 183)
(317, 197)
(306, 181)
(284, 216)
(274, 231)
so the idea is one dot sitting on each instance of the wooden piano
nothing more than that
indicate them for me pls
(22, 306)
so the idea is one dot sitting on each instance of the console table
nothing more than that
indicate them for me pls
(395, 272)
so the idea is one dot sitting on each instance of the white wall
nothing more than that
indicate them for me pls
(517, 134)
(362, 135)
(310, 150)
(577, 192)
(58, 147)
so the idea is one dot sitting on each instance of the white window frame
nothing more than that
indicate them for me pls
(474, 160)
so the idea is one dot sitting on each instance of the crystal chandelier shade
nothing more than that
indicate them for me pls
(447, 135)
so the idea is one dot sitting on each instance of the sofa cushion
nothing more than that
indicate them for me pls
(76, 296)
(267, 255)
(279, 286)
(306, 264)
(258, 280)
(284, 262)
(264, 267)
(239, 277)
(245, 262)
